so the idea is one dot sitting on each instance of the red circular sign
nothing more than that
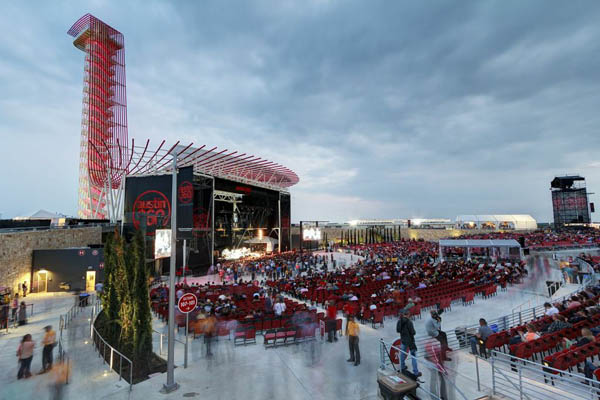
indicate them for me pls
(187, 303)
(185, 192)
(151, 209)
(394, 353)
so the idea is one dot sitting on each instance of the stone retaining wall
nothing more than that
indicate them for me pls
(16, 249)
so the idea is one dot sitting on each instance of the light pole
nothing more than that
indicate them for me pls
(171, 385)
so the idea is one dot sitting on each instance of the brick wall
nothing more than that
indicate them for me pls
(16, 249)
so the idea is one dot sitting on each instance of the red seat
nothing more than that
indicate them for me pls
(290, 337)
(378, 318)
(270, 338)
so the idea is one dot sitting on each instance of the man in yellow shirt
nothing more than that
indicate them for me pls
(48, 342)
(353, 330)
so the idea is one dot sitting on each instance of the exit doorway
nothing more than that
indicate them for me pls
(90, 281)
(42, 281)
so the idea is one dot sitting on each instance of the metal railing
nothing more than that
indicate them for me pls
(460, 336)
(79, 305)
(523, 379)
(161, 347)
(100, 342)
(441, 379)
(6, 316)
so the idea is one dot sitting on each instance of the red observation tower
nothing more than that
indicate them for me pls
(104, 153)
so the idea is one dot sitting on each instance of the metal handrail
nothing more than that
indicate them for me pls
(530, 380)
(424, 365)
(459, 336)
(95, 336)
(75, 309)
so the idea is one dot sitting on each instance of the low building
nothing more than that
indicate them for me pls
(72, 269)
(518, 222)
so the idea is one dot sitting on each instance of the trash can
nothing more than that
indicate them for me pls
(83, 299)
(396, 386)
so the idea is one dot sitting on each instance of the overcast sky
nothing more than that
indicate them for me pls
(384, 109)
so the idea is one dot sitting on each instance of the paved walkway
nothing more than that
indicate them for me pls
(90, 378)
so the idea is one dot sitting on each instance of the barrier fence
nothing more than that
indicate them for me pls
(523, 379)
(437, 382)
(460, 336)
(104, 349)
(6, 316)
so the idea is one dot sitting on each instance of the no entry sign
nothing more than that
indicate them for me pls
(187, 303)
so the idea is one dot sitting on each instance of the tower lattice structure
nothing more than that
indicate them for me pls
(104, 153)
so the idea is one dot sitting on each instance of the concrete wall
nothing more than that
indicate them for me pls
(16, 249)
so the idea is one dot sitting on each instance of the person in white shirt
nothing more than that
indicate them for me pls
(279, 307)
(550, 309)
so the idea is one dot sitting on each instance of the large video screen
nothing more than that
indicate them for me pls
(570, 206)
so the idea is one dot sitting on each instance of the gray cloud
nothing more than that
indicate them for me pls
(384, 109)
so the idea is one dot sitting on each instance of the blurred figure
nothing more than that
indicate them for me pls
(15, 307)
(25, 355)
(210, 327)
(437, 382)
(49, 341)
(22, 314)
(59, 378)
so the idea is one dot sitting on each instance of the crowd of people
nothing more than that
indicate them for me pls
(12, 310)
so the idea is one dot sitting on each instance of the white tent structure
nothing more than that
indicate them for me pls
(56, 218)
(519, 222)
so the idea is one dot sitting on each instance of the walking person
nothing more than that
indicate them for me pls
(60, 377)
(279, 307)
(210, 327)
(25, 355)
(353, 330)
(22, 314)
(49, 341)
(330, 323)
(407, 333)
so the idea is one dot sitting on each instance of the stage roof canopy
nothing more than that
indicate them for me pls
(479, 243)
(239, 167)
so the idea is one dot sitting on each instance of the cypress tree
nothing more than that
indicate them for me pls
(110, 300)
(142, 317)
(122, 286)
